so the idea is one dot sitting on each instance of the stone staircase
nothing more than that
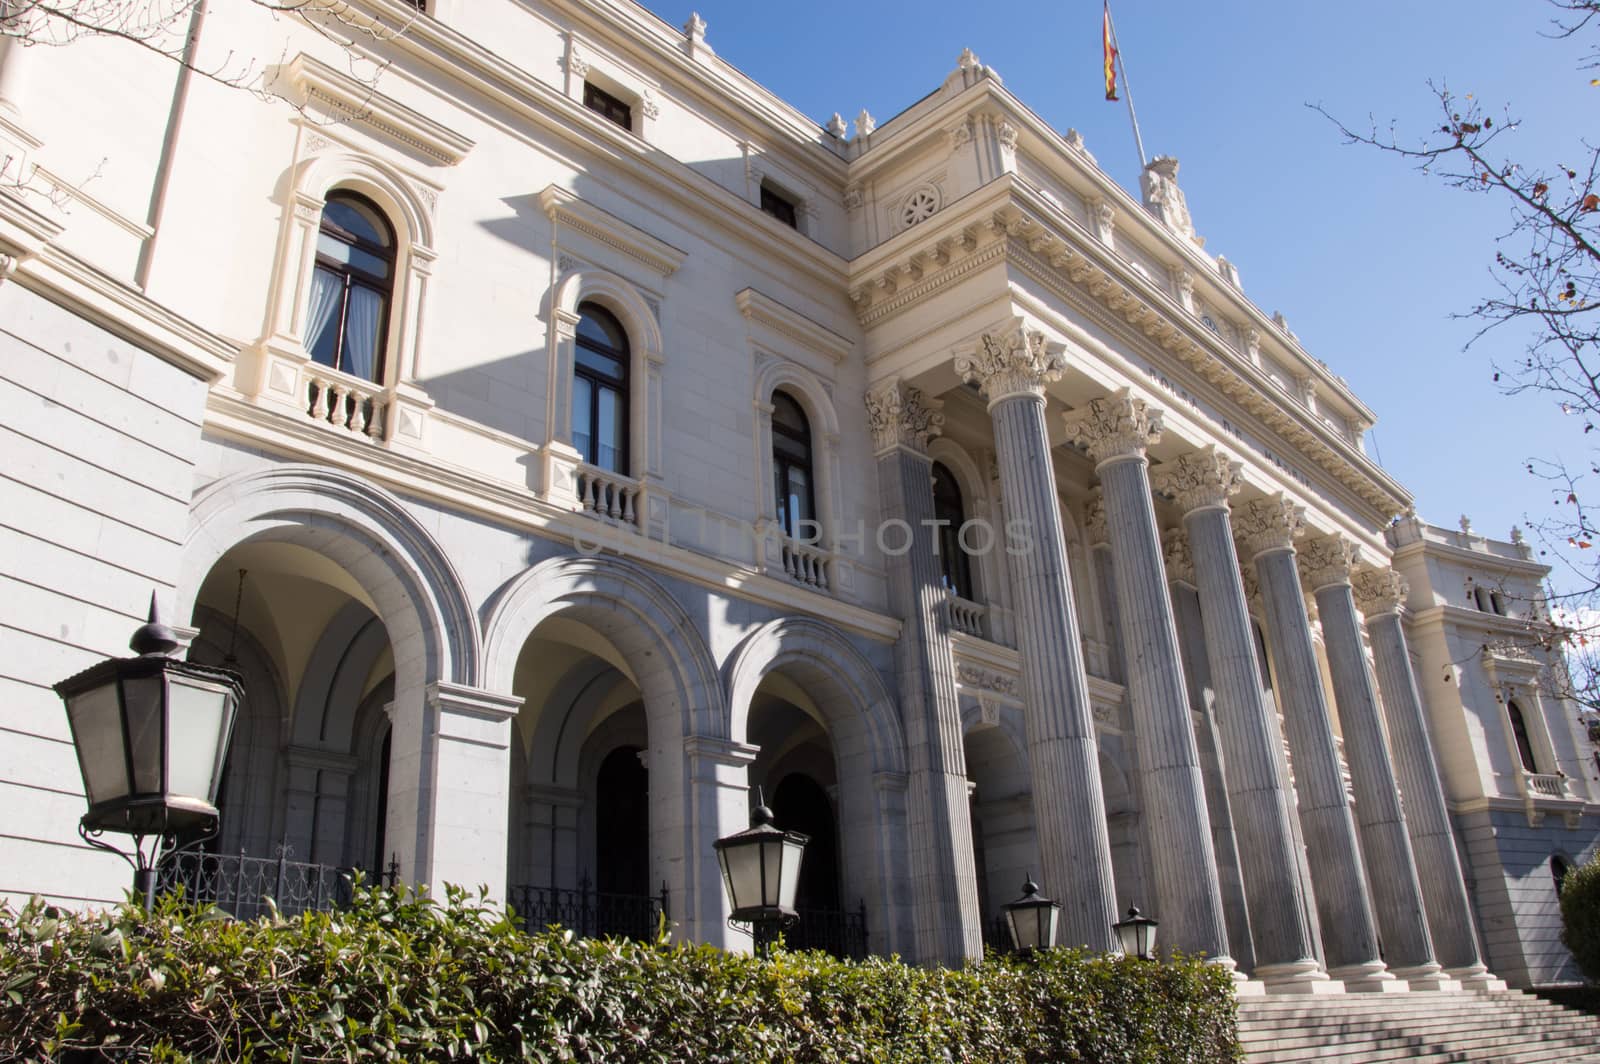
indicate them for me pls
(1473, 1027)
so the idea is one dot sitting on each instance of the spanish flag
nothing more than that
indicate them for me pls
(1111, 53)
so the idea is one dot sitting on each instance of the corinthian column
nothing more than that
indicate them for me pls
(1379, 593)
(1326, 565)
(1258, 788)
(1267, 529)
(1011, 368)
(1116, 431)
(944, 884)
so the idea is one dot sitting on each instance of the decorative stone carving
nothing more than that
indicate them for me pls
(865, 124)
(1105, 221)
(1183, 286)
(852, 197)
(967, 60)
(695, 28)
(1116, 426)
(1162, 196)
(920, 205)
(577, 65)
(1378, 591)
(317, 143)
(1094, 519)
(649, 106)
(1267, 524)
(1007, 134)
(1326, 560)
(837, 126)
(1200, 479)
(972, 676)
(1252, 344)
(1175, 554)
(900, 415)
(960, 135)
(1016, 362)
(1075, 140)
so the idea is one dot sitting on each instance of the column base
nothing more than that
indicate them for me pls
(1297, 977)
(1475, 977)
(1249, 988)
(1428, 976)
(1372, 977)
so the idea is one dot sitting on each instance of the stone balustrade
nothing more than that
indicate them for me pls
(344, 402)
(967, 616)
(607, 496)
(805, 563)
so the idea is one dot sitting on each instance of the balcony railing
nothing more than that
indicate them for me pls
(589, 913)
(1546, 784)
(607, 496)
(967, 616)
(805, 563)
(343, 402)
(240, 884)
(840, 932)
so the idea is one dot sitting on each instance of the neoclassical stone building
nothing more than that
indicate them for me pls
(564, 436)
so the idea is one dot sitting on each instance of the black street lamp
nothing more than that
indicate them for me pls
(151, 733)
(1032, 920)
(1137, 934)
(761, 869)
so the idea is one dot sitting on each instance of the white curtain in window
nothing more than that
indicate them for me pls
(361, 332)
(327, 291)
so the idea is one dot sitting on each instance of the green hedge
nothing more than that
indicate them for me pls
(401, 977)
(1580, 916)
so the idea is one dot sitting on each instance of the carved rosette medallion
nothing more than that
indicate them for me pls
(1199, 480)
(900, 415)
(1011, 364)
(1117, 426)
(1094, 519)
(1262, 525)
(1326, 561)
(1378, 591)
(1175, 553)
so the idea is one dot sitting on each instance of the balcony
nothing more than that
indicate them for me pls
(345, 403)
(805, 564)
(609, 497)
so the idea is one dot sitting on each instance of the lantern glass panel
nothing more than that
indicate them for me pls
(793, 851)
(742, 869)
(1147, 939)
(1050, 917)
(141, 700)
(771, 870)
(95, 716)
(197, 717)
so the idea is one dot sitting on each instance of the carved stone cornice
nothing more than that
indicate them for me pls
(1326, 561)
(1116, 426)
(1175, 554)
(1200, 479)
(1094, 519)
(1378, 591)
(1011, 363)
(1262, 525)
(900, 415)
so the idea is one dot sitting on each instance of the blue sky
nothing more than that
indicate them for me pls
(1368, 259)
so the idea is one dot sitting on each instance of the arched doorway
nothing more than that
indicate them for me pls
(1004, 837)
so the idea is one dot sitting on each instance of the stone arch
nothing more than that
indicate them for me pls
(385, 185)
(419, 596)
(330, 690)
(777, 374)
(638, 319)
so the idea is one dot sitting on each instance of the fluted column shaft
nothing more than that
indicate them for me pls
(1444, 892)
(944, 886)
(1172, 792)
(1063, 758)
(1350, 938)
(1258, 790)
(1391, 868)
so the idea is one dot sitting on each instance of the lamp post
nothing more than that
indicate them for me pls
(1137, 934)
(761, 869)
(1032, 920)
(151, 733)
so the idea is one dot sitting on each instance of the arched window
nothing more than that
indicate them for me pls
(791, 468)
(351, 287)
(600, 390)
(1519, 731)
(948, 510)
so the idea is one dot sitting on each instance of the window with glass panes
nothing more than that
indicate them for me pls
(600, 390)
(351, 286)
(791, 467)
(954, 564)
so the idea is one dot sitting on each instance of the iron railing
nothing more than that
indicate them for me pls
(240, 884)
(589, 913)
(841, 932)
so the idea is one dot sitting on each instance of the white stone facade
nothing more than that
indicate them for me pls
(478, 645)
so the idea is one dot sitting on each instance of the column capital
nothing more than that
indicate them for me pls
(472, 702)
(1094, 519)
(1175, 554)
(902, 415)
(1378, 591)
(1011, 362)
(1200, 479)
(1263, 525)
(1327, 561)
(1114, 426)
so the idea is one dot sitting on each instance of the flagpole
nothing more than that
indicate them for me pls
(1127, 87)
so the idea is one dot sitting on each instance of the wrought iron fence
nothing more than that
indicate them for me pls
(240, 884)
(589, 913)
(841, 932)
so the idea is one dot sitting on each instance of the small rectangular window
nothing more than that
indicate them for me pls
(607, 106)
(778, 205)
